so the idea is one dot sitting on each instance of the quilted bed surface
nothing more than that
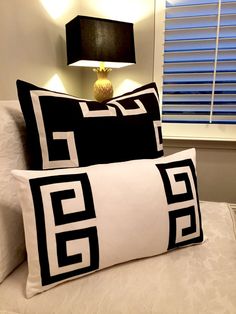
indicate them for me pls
(12, 156)
(193, 280)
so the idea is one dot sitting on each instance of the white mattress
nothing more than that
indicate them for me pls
(192, 280)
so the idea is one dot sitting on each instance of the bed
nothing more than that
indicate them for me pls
(197, 279)
(195, 274)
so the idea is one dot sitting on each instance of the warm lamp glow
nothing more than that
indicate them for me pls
(56, 8)
(96, 64)
(127, 85)
(55, 84)
(123, 10)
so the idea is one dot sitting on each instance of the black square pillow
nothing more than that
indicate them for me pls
(66, 131)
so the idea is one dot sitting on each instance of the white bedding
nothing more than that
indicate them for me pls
(192, 280)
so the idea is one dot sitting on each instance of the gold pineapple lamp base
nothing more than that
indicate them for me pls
(102, 88)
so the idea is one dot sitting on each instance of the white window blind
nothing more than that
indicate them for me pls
(199, 84)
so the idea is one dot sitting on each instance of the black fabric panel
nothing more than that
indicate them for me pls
(98, 139)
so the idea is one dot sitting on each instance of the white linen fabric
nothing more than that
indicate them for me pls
(80, 220)
(12, 155)
(200, 279)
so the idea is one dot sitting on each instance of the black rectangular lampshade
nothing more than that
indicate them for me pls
(97, 39)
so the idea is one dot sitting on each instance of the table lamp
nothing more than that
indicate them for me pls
(102, 44)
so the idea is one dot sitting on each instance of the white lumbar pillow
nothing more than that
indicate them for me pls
(81, 220)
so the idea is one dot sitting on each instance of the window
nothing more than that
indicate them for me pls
(199, 73)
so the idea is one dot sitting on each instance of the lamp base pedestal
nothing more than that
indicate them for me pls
(102, 88)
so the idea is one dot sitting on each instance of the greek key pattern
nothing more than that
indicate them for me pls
(69, 129)
(180, 186)
(66, 226)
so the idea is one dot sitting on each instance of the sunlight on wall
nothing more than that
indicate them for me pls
(55, 84)
(56, 8)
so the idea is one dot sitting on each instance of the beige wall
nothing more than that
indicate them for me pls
(216, 167)
(33, 49)
(33, 45)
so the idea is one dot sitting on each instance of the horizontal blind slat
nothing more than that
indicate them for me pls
(189, 60)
